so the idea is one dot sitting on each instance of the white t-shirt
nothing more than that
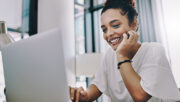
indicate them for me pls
(151, 63)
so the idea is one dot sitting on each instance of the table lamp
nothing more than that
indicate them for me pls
(5, 38)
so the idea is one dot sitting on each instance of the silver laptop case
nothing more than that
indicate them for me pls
(34, 69)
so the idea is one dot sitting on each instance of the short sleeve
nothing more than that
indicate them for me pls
(100, 79)
(156, 76)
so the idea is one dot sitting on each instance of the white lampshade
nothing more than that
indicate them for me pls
(87, 64)
(5, 38)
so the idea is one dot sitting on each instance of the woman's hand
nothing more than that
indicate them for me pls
(127, 46)
(78, 94)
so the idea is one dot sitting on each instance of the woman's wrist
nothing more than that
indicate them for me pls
(122, 58)
(122, 62)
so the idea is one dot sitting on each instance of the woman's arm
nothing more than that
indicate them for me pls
(93, 93)
(132, 82)
(126, 51)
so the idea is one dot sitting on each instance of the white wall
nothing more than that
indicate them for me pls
(11, 12)
(172, 15)
(60, 13)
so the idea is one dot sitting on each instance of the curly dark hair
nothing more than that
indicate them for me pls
(126, 7)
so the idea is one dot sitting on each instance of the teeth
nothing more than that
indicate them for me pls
(115, 40)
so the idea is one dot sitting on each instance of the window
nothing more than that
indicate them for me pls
(79, 28)
(93, 31)
(88, 33)
(20, 17)
(87, 26)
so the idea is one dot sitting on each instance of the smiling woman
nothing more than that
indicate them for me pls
(131, 71)
(112, 20)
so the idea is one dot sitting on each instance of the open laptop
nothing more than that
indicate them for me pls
(34, 69)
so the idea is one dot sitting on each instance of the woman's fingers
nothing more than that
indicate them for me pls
(72, 92)
(81, 89)
(82, 92)
(131, 36)
(125, 36)
(125, 47)
(77, 95)
(137, 38)
(134, 36)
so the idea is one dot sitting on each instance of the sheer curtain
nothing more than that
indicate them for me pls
(159, 24)
(151, 22)
(146, 21)
(172, 21)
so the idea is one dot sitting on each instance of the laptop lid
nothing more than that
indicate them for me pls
(34, 69)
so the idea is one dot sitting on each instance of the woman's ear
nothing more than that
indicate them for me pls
(134, 25)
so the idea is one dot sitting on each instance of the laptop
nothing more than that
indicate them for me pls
(34, 69)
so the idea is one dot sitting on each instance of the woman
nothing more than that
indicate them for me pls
(130, 71)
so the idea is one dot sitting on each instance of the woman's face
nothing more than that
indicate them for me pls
(113, 25)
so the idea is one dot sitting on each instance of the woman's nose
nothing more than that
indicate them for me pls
(110, 32)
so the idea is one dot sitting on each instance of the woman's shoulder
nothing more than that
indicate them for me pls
(153, 47)
(154, 53)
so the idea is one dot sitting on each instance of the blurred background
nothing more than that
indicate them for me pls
(79, 22)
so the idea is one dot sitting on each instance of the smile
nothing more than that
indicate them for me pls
(115, 41)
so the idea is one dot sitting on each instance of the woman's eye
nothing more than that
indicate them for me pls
(116, 25)
(104, 30)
